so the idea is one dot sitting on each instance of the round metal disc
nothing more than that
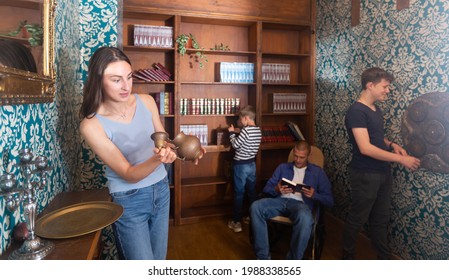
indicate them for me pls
(434, 132)
(418, 111)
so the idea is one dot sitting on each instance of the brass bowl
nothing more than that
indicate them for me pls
(188, 146)
(159, 139)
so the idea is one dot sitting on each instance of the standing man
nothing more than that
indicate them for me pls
(369, 169)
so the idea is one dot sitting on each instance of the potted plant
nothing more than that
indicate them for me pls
(33, 32)
(184, 41)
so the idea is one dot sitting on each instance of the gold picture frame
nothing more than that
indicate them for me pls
(22, 87)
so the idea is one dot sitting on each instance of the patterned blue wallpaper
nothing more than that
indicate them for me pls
(48, 129)
(98, 25)
(53, 129)
(413, 45)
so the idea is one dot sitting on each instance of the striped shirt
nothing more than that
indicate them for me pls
(247, 143)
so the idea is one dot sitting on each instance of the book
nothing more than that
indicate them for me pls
(295, 131)
(297, 187)
(159, 66)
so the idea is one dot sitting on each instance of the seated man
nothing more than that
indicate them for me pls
(297, 206)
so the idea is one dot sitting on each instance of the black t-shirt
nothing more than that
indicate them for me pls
(361, 116)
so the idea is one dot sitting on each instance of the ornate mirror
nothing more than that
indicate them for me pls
(27, 25)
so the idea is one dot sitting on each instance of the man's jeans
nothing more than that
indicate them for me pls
(371, 197)
(244, 176)
(141, 233)
(263, 209)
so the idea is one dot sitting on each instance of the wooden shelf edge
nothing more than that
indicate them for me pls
(220, 115)
(217, 148)
(293, 55)
(147, 49)
(277, 146)
(217, 83)
(219, 52)
(140, 82)
(285, 114)
(290, 85)
(16, 39)
(204, 181)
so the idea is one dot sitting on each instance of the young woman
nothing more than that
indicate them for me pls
(117, 125)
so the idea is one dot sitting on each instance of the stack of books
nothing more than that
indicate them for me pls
(156, 74)
(276, 134)
(289, 102)
(275, 73)
(164, 102)
(235, 72)
(199, 130)
(209, 106)
(153, 36)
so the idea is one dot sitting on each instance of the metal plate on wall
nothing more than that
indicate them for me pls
(425, 130)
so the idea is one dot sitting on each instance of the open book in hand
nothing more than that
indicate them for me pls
(297, 187)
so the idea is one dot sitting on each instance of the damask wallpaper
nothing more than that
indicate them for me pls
(98, 24)
(411, 43)
(414, 45)
(53, 129)
(48, 129)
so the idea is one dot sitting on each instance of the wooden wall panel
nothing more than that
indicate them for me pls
(297, 11)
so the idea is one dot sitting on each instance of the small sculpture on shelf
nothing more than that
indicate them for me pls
(220, 47)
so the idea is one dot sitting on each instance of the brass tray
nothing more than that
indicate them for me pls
(78, 219)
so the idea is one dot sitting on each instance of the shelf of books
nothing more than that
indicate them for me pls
(244, 60)
(212, 95)
(148, 42)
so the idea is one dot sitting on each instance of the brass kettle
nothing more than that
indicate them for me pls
(187, 147)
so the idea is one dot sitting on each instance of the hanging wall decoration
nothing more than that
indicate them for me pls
(425, 130)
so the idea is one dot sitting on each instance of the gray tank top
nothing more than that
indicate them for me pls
(134, 141)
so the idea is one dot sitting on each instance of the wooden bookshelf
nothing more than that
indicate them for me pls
(254, 33)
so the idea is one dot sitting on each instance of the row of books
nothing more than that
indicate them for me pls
(199, 130)
(164, 101)
(235, 72)
(270, 134)
(275, 134)
(153, 36)
(209, 106)
(156, 74)
(275, 73)
(289, 102)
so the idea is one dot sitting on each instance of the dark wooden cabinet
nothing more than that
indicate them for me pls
(254, 33)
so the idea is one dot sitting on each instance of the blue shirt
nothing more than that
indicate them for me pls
(314, 177)
(134, 141)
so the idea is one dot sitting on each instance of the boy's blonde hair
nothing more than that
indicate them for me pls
(247, 111)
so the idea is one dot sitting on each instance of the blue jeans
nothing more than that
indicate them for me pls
(300, 214)
(244, 176)
(141, 233)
